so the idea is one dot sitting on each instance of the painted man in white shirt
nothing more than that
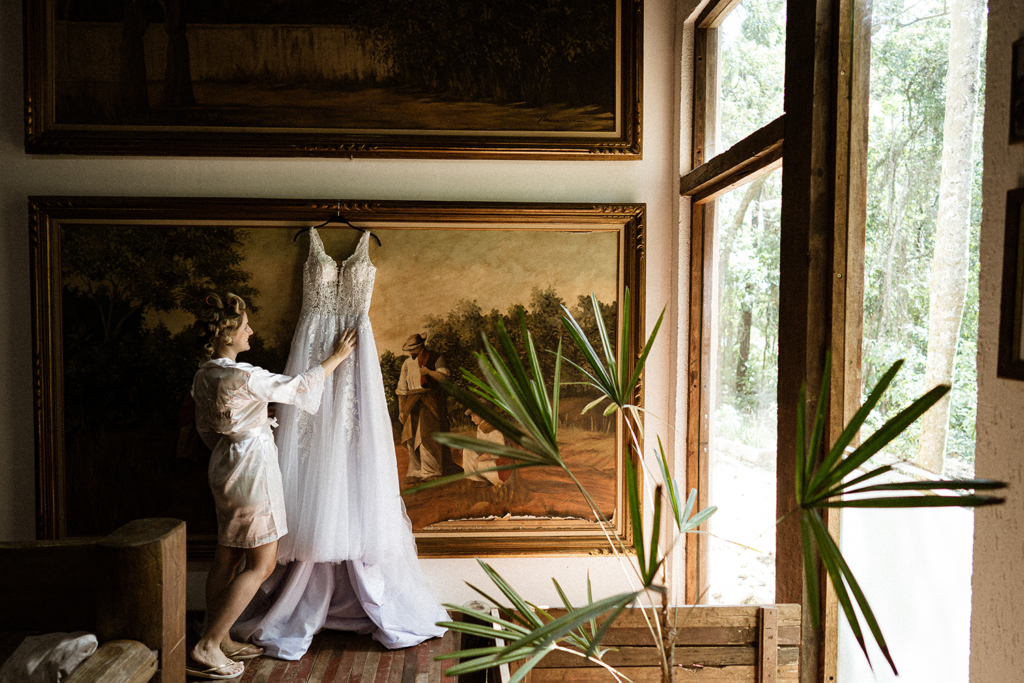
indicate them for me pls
(422, 410)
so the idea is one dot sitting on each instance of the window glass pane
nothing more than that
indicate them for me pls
(744, 347)
(751, 69)
(920, 305)
(924, 173)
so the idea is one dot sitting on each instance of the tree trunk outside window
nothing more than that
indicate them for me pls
(953, 224)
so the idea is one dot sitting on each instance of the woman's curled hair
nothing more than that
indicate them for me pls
(219, 318)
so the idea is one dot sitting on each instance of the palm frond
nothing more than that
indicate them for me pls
(611, 376)
(823, 485)
(530, 632)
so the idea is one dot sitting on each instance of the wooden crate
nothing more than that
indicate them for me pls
(738, 644)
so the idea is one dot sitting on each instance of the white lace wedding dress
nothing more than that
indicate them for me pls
(349, 559)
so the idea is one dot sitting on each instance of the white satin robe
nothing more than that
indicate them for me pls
(231, 417)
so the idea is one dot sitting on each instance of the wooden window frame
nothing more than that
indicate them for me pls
(823, 135)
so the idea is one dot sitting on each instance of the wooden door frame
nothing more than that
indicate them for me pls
(823, 136)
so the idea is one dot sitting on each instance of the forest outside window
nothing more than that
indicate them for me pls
(751, 64)
(735, 192)
(886, 276)
(920, 303)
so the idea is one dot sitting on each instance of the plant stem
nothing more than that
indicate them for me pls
(668, 636)
(653, 628)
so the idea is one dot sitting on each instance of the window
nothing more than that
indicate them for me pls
(838, 210)
(922, 222)
(735, 199)
(744, 321)
(820, 250)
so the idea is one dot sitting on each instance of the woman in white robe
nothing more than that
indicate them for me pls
(231, 417)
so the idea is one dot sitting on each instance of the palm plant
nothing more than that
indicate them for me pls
(513, 397)
(827, 484)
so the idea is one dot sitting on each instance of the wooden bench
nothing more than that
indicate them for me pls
(127, 588)
(738, 644)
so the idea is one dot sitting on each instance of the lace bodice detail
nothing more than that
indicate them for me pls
(337, 288)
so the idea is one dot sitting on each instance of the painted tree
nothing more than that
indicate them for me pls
(178, 70)
(115, 278)
(949, 271)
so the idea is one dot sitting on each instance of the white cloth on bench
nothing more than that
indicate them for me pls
(48, 658)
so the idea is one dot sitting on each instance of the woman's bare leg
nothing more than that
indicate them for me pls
(221, 574)
(222, 571)
(232, 599)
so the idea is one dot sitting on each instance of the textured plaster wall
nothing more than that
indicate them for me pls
(652, 180)
(997, 634)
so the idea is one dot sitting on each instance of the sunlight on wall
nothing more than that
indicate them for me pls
(915, 568)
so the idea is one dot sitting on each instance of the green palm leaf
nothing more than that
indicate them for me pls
(532, 637)
(885, 434)
(554, 630)
(611, 376)
(821, 486)
(855, 424)
(840, 571)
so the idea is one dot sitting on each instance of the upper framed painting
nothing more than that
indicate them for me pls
(116, 283)
(335, 78)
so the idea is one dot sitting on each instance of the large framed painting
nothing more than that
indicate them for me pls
(116, 281)
(335, 78)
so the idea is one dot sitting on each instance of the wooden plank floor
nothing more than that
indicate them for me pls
(342, 657)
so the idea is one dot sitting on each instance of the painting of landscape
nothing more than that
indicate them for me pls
(346, 77)
(128, 294)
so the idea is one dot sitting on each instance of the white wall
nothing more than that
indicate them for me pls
(997, 650)
(914, 566)
(652, 180)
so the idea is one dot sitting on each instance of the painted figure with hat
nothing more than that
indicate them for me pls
(422, 410)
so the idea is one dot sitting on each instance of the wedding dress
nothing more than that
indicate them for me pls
(349, 559)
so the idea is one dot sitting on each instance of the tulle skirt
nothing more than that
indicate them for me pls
(349, 559)
(340, 477)
(389, 602)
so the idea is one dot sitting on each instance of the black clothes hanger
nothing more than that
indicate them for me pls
(337, 218)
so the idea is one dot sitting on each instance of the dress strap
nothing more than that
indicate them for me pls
(315, 243)
(364, 244)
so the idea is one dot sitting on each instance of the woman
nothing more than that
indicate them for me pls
(231, 416)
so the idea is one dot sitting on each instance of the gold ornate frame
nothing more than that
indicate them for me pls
(46, 134)
(51, 217)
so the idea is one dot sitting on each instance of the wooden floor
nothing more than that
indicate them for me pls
(340, 657)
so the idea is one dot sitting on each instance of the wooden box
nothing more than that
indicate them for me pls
(738, 644)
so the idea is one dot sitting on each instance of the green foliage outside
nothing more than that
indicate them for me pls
(908, 88)
(753, 49)
(909, 46)
(748, 332)
(753, 43)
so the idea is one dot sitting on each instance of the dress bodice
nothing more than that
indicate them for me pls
(329, 287)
